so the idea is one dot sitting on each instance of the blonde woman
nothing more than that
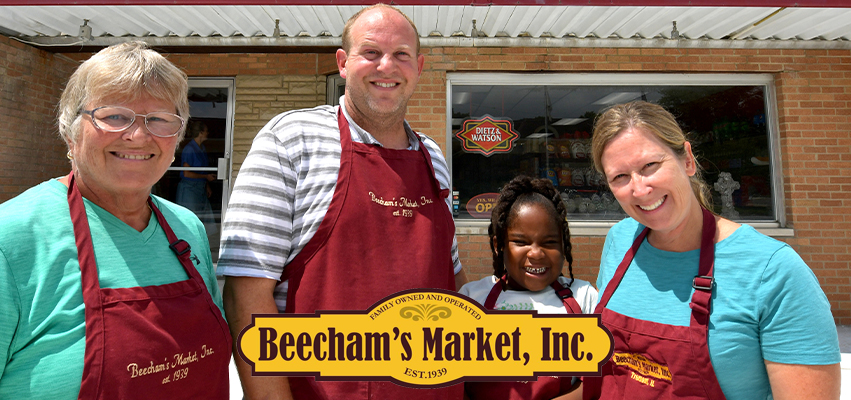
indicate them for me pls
(699, 306)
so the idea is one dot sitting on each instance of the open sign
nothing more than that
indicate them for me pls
(480, 206)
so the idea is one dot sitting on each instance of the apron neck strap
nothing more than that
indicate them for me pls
(621, 271)
(85, 247)
(180, 247)
(563, 292)
(702, 282)
(566, 296)
(707, 251)
(83, 239)
(346, 138)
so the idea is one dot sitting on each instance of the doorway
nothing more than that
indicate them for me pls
(199, 177)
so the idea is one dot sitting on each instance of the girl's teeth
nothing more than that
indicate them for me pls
(653, 206)
(536, 270)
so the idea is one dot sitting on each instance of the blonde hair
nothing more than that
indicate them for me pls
(123, 71)
(347, 30)
(655, 120)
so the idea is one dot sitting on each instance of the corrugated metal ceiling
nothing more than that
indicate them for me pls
(61, 25)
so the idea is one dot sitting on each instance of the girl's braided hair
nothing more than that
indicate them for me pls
(520, 191)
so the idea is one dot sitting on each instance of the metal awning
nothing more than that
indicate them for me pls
(217, 25)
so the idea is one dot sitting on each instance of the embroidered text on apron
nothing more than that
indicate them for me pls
(154, 342)
(387, 229)
(546, 387)
(660, 361)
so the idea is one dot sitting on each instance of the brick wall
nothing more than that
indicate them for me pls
(259, 98)
(31, 82)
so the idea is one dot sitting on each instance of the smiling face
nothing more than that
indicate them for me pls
(126, 162)
(533, 248)
(650, 182)
(381, 67)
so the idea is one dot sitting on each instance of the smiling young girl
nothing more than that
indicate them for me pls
(530, 242)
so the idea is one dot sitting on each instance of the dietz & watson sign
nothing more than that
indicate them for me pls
(487, 136)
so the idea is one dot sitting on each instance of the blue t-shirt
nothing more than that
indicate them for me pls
(196, 156)
(767, 304)
(42, 314)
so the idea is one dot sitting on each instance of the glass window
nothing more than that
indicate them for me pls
(509, 124)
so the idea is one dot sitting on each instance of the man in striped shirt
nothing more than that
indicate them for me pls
(343, 205)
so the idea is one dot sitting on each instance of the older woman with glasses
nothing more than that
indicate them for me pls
(108, 292)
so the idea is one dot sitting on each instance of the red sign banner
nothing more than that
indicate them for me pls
(487, 136)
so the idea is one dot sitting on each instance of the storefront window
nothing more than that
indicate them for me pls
(511, 124)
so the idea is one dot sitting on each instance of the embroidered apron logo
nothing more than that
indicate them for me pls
(425, 338)
(640, 364)
(404, 206)
(178, 362)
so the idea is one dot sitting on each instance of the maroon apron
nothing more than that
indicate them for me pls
(154, 342)
(546, 387)
(387, 229)
(660, 361)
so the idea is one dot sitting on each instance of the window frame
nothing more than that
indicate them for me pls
(777, 227)
(333, 83)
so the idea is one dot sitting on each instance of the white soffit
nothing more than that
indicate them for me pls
(40, 24)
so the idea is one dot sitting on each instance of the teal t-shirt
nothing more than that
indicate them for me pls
(42, 315)
(767, 304)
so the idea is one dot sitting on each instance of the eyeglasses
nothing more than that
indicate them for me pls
(117, 118)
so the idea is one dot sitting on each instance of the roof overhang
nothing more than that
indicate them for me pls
(316, 26)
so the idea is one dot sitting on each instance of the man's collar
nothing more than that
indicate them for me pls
(366, 137)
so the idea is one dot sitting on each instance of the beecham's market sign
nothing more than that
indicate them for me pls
(487, 136)
(426, 338)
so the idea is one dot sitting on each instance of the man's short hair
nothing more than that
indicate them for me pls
(347, 43)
